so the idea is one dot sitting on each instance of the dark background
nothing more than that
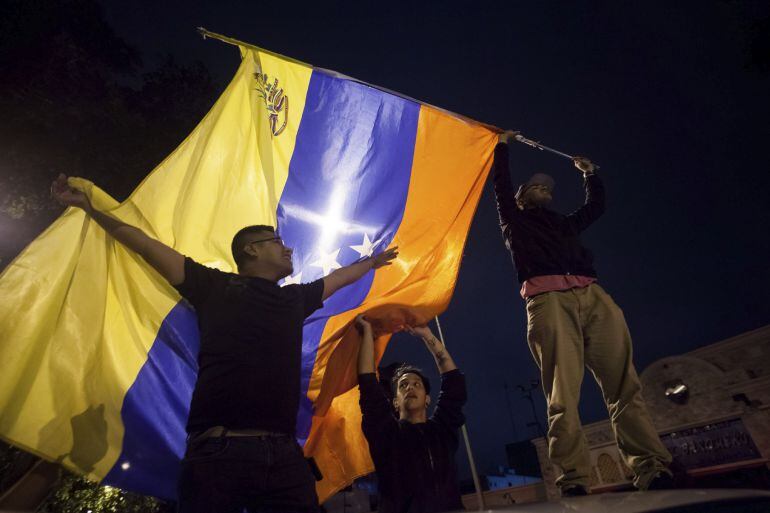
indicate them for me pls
(670, 98)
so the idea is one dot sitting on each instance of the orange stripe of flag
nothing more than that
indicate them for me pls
(452, 159)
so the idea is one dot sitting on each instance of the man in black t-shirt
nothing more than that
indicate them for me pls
(241, 450)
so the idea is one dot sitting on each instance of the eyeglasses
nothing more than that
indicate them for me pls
(271, 239)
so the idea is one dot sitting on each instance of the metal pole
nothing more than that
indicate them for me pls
(208, 34)
(510, 412)
(471, 461)
(526, 393)
(537, 145)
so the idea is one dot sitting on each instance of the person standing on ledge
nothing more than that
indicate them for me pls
(572, 323)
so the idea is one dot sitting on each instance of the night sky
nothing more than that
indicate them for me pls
(662, 95)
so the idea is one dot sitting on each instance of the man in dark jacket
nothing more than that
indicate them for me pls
(573, 323)
(413, 454)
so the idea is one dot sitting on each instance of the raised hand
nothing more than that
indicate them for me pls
(436, 347)
(350, 273)
(366, 348)
(584, 165)
(362, 324)
(67, 196)
(384, 258)
(508, 136)
(423, 332)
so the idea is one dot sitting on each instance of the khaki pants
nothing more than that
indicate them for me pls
(583, 327)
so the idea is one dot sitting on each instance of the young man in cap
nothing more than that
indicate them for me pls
(573, 323)
(241, 451)
(413, 454)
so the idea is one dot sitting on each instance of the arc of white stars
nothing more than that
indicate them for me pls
(366, 248)
(293, 280)
(327, 261)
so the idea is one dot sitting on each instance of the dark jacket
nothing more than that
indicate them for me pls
(541, 241)
(415, 465)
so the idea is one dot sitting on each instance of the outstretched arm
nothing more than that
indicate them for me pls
(504, 193)
(366, 349)
(377, 420)
(593, 207)
(449, 406)
(350, 273)
(167, 261)
(437, 348)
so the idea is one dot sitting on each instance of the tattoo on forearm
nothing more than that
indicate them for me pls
(440, 357)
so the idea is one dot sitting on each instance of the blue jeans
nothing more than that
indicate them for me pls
(256, 474)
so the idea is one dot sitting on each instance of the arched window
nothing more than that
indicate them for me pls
(608, 469)
(594, 477)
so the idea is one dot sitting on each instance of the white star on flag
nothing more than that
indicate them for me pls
(293, 280)
(328, 261)
(366, 248)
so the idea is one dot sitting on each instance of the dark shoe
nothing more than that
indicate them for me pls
(662, 481)
(573, 491)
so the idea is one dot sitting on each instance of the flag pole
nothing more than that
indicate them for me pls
(205, 33)
(535, 144)
(476, 482)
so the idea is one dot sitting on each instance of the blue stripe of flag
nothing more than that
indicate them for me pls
(349, 176)
(156, 408)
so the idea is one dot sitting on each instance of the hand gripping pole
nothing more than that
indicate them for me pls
(542, 147)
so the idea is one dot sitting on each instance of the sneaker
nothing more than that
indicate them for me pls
(662, 481)
(574, 491)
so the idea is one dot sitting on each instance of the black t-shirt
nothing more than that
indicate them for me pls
(415, 465)
(251, 348)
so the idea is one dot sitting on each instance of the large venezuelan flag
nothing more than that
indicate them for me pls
(98, 352)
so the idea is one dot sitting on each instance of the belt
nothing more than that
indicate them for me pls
(220, 431)
(196, 438)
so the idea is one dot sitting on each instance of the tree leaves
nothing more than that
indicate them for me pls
(67, 108)
(76, 494)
